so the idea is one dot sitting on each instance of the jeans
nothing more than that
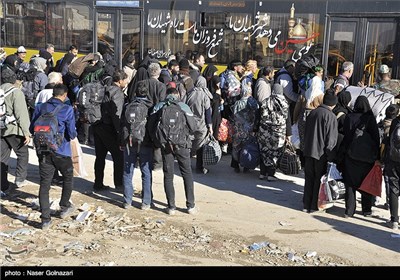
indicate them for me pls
(145, 155)
(47, 164)
(106, 140)
(15, 143)
(182, 155)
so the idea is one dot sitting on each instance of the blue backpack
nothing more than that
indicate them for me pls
(46, 137)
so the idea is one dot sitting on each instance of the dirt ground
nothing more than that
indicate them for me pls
(242, 221)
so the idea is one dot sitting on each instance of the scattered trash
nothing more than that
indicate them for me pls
(84, 207)
(292, 257)
(284, 223)
(397, 235)
(74, 245)
(257, 246)
(83, 216)
(21, 217)
(311, 254)
(22, 231)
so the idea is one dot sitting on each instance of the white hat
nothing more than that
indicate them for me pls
(21, 49)
(384, 69)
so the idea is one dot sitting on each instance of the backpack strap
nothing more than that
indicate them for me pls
(57, 109)
(9, 91)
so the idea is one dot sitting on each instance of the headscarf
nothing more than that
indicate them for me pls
(213, 83)
(39, 63)
(362, 105)
(201, 82)
(10, 61)
(344, 99)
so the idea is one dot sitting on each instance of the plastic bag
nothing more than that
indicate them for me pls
(324, 194)
(77, 159)
(372, 183)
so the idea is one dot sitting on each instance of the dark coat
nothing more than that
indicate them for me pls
(354, 170)
(320, 133)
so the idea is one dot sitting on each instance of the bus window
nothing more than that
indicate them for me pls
(69, 24)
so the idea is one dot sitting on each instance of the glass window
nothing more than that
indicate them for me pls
(341, 45)
(25, 24)
(70, 24)
(379, 49)
(283, 36)
(223, 36)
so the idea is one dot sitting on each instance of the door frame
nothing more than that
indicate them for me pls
(360, 41)
(118, 12)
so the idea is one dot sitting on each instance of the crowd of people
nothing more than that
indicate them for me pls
(259, 104)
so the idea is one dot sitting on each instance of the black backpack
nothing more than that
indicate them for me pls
(171, 126)
(90, 98)
(136, 116)
(46, 137)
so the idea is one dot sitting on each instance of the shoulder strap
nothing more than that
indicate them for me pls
(10, 90)
(57, 109)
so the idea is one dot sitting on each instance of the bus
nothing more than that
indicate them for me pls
(364, 32)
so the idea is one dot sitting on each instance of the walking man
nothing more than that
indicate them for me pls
(60, 159)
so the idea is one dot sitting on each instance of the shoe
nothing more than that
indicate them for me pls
(262, 177)
(192, 210)
(20, 184)
(101, 188)
(386, 206)
(393, 225)
(46, 225)
(305, 210)
(367, 214)
(171, 211)
(237, 170)
(145, 207)
(126, 205)
(67, 212)
(246, 170)
(346, 216)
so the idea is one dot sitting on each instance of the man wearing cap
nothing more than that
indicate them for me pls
(385, 84)
(320, 139)
(21, 54)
